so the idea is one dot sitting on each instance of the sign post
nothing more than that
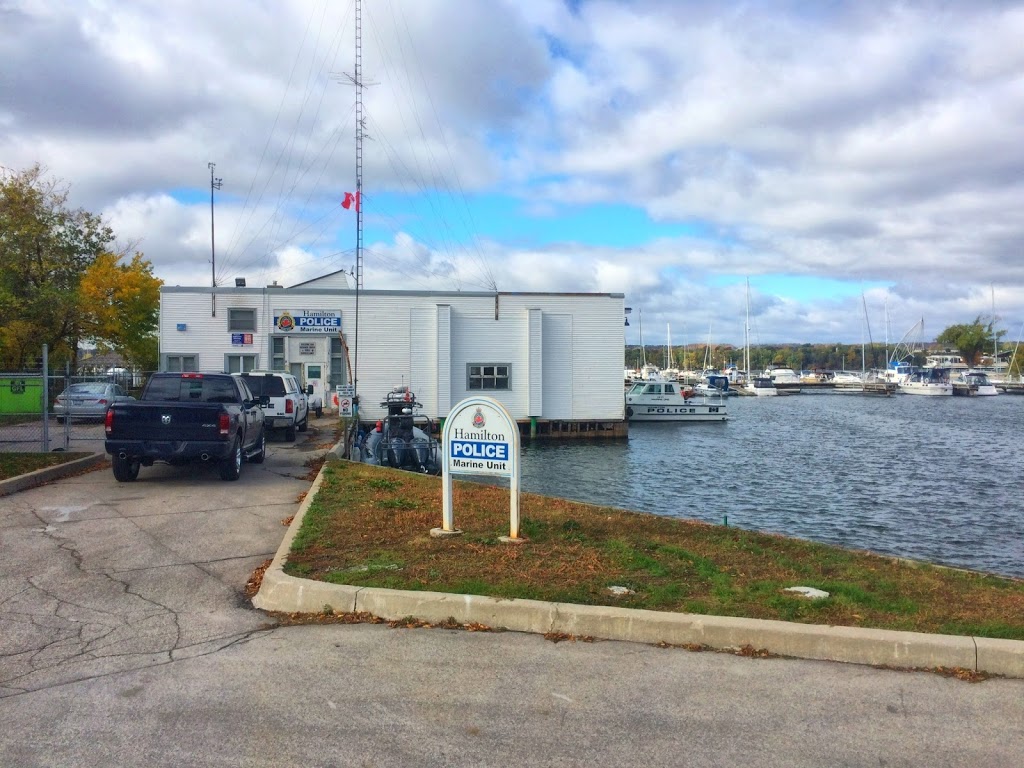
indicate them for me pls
(480, 437)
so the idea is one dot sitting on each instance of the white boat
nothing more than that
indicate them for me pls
(669, 401)
(927, 381)
(713, 384)
(847, 381)
(761, 386)
(979, 383)
(946, 360)
(785, 380)
(899, 368)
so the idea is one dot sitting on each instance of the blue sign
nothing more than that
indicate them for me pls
(477, 449)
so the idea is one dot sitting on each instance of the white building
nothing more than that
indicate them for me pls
(553, 359)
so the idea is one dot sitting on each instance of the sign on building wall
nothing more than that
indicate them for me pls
(307, 348)
(241, 338)
(307, 320)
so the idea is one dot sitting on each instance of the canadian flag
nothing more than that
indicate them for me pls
(350, 199)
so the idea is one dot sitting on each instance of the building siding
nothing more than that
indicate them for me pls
(427, 340)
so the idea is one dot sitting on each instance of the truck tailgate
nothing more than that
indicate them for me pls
(166, 422)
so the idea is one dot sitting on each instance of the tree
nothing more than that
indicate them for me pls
(120, 303)
(46, 250)
(970, 340)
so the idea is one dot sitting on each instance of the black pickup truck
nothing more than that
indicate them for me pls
(184, 417)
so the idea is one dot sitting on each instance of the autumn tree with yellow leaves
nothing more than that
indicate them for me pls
(120, 301)
(63, 282)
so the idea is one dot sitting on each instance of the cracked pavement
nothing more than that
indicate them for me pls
(99, 577)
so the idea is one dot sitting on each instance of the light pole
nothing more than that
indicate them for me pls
(214, 184)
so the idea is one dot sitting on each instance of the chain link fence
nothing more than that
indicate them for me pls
(31, 420)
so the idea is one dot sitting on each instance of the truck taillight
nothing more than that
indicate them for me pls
(108, 422)
(224, 423)
(289, 406)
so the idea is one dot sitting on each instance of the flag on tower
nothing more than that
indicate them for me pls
(349, 200)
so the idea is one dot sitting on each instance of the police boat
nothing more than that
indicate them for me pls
(403, 439)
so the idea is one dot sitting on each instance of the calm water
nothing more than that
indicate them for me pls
(929, 478)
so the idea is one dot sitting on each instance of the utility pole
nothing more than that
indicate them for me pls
(214, 184)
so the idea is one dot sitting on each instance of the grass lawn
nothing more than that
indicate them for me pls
(369, 526)
(14, 464)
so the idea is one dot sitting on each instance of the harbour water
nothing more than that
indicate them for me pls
(928, 478)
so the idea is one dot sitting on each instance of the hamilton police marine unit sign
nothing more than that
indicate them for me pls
(477, 450)
(480, 437)
(307, 320)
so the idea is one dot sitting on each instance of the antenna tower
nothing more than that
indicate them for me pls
(357, 81)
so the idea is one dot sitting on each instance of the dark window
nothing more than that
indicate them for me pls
(177, 363)
(242, 320)
(265, 384)
(337, 370)
(197, 389)
(488, 376)
(277, 353)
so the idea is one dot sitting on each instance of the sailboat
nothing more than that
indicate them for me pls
(670, 372)
(647, 371)
(762, 386)
(711, 382)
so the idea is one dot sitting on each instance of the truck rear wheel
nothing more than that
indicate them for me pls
(231, 465)
(125, 470)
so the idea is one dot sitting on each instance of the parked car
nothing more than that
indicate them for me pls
(287, 405)
(88, 400)
(186, 417)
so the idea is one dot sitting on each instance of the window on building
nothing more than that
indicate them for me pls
(239, 363)
(488, 376)
(337, 374)
(277, 353)
(180, 363)
(242, 320)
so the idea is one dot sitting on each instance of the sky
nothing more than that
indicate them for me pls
(836, 171)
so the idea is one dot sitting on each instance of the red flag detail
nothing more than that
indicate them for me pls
(349, 200)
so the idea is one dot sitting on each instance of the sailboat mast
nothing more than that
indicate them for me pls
(668, 346)
(640, 326)
(995, 339)
(746, 334)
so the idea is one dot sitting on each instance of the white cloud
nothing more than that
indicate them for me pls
(865, 144)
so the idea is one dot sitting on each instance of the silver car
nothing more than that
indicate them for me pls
(88, 400)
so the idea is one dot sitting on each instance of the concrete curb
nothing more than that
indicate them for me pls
(879, 647)
(46, 474)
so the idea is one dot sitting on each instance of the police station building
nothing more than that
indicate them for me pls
(554, 360)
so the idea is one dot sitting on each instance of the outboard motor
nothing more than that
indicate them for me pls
(398, 452)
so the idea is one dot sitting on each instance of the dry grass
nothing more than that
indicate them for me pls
(15, 464)
(370, 526)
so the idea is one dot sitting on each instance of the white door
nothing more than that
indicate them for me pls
(314, 377)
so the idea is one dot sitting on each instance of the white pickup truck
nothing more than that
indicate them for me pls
(287, 404)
